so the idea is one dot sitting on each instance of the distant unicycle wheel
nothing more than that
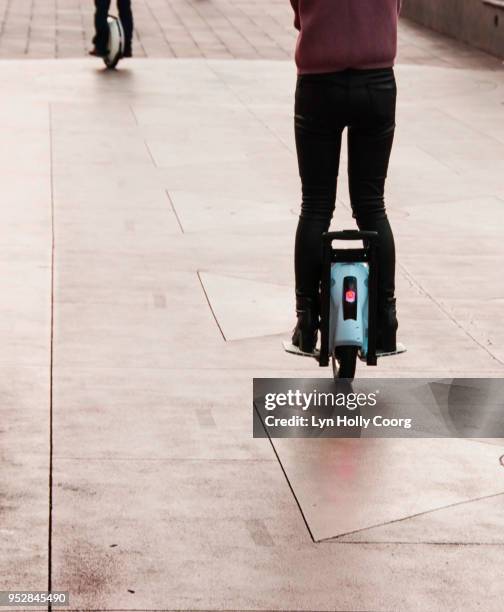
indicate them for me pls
(116, 42)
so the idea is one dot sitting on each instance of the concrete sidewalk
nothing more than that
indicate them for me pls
(146, 277)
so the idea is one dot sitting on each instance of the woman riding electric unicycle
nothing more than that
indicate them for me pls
(345, 55)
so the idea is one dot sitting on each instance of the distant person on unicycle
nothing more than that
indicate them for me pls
(100, 40)
(345, 55)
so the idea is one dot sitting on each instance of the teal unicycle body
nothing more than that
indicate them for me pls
(348, 302)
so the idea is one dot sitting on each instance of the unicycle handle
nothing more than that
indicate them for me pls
(350, 235)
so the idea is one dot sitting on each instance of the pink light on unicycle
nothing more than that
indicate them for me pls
(350, 296)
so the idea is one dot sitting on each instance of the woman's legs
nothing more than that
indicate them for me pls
(318, 143)
(126, 17)
(100, 39)
(370, 139)
(364, 101)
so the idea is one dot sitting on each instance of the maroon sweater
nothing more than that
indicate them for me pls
(339, 34)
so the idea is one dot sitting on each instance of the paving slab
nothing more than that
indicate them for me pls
(245, 308)
(186, 414)
(346, 486)
(199, 211)
(474, 522)
(25, 331)
(24, 477)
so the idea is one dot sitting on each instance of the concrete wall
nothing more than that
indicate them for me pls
(477, 22)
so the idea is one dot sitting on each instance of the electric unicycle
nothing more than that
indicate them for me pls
(116, 42)
(348, 303)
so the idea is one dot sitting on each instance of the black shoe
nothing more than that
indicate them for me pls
(386, 340)
(304, 335)
(127, 52)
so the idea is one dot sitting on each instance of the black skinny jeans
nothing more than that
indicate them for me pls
(101, 28)
(364, 101)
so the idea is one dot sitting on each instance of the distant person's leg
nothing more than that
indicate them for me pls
(100, 40)
(370, 140)
(126, 17)
(318, 143)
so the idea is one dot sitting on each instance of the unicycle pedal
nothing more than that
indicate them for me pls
(295, 350)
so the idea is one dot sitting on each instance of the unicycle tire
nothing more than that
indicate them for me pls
(116, 42)
(344, 362)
